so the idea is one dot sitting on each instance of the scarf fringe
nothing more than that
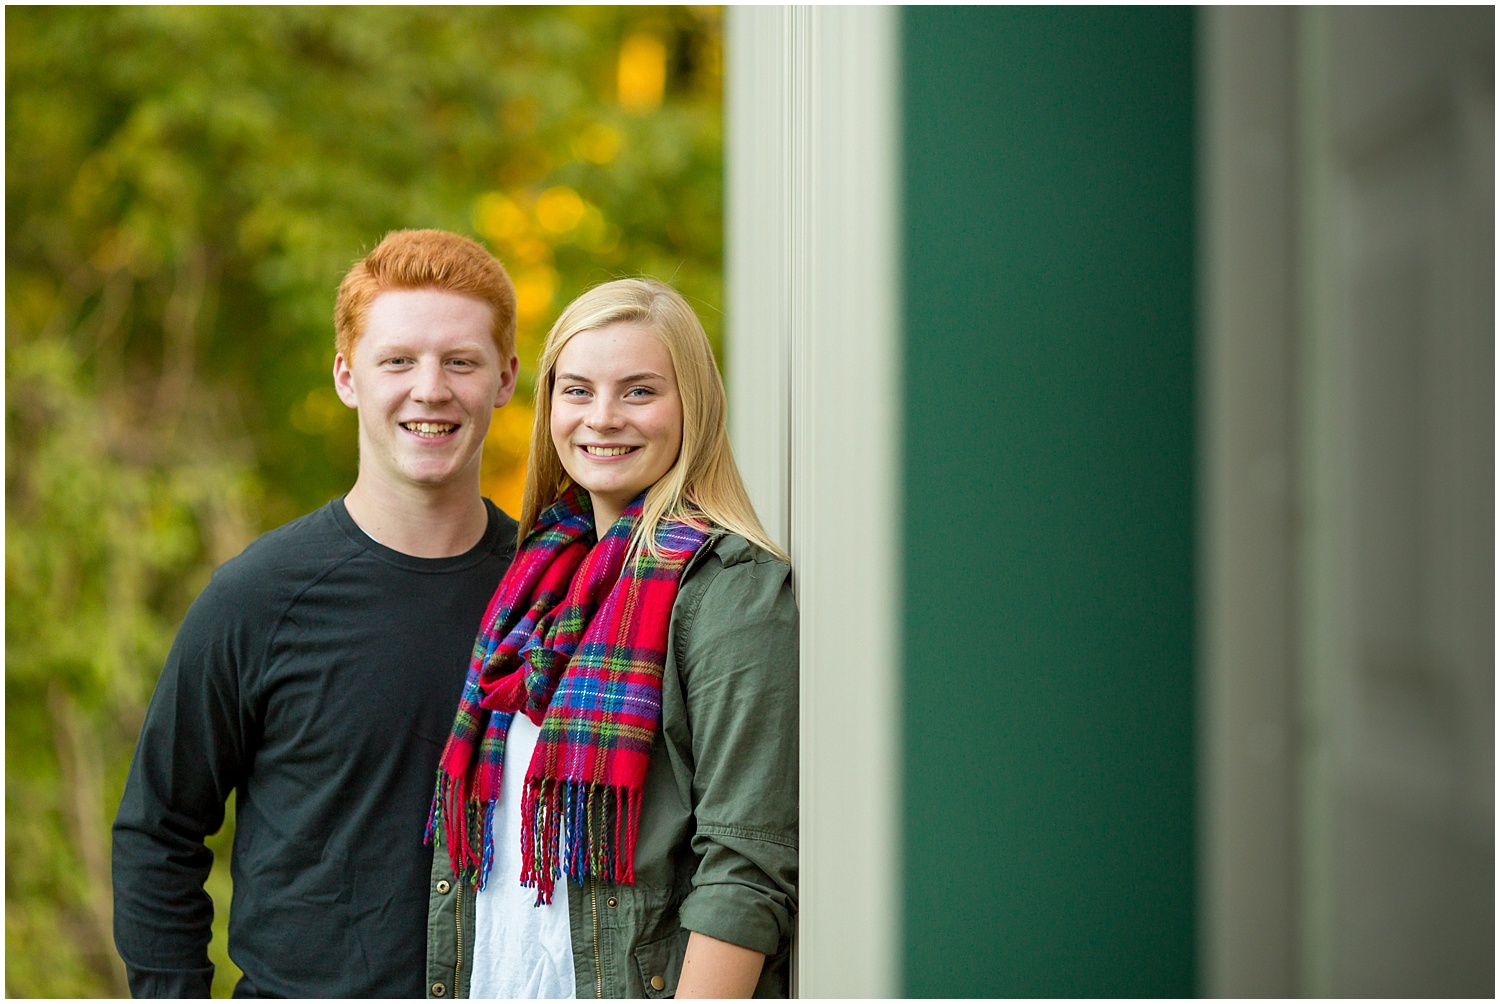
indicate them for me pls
(599, 824)
(468, 829)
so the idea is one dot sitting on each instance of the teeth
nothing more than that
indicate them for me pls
(607, 451)
(429, 428)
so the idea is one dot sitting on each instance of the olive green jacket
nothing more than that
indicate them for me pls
(717, 846)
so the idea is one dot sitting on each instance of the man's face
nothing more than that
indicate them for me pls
(426, 378)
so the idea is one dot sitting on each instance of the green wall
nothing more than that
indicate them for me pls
(1048, 264)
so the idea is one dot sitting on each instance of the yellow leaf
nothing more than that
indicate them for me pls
(642, 78)
(535, 287)
(598, 143)
(560, 209)
(499, 218)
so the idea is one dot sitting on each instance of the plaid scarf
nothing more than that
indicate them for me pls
(577, 641)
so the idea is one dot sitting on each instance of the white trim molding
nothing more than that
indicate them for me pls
(813, 344)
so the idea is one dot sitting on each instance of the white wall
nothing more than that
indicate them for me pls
(812, 347)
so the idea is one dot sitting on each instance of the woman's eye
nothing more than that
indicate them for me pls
(639, 392)
(574, 392)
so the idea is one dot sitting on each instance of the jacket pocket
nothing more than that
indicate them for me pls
(660, 963)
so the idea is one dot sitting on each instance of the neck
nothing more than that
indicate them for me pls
(605, 514)
(422, 523)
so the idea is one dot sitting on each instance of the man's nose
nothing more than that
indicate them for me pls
(431, 383)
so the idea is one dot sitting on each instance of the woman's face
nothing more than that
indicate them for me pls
(616, 414)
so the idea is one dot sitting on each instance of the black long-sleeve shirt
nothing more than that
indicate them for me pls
(316, 676)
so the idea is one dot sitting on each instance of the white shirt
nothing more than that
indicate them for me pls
(520, 949)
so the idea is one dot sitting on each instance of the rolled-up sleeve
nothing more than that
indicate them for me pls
(739, 668)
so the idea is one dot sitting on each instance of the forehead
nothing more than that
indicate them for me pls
(615, 351)
(427, 314)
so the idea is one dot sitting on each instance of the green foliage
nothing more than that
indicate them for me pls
(184, 189)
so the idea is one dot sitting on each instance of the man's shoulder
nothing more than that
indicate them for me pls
(277, 565)
(249, 594)
(282, 562)
(501, 533)
(290, 551)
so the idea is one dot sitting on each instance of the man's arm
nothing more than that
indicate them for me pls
(187, 761)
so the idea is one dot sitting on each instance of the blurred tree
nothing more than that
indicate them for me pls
(184, 189)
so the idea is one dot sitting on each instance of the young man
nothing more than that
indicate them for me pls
(316, 675)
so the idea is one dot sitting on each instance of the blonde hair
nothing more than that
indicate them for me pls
(425, 259)
(703, 486)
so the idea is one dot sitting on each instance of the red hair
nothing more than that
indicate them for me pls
(425, 259)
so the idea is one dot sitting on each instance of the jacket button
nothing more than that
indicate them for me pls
(438, 990)
(443, 888)
(612, 902)
(657, 983)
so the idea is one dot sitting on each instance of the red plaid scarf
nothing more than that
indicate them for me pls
(579, 647)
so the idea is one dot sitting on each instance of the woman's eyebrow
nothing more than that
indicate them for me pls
(632, 378)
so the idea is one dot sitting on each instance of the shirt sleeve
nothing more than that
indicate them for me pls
(187, 760)
(740, 670)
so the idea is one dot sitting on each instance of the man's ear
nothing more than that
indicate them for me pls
(343, 381)
(507, 382)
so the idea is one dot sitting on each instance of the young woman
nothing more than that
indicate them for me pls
(616, 811)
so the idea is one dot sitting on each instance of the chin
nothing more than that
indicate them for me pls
(434, 479)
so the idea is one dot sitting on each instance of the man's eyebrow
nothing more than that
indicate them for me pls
(410, 348)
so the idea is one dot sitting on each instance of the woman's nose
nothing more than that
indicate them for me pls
(603, 414)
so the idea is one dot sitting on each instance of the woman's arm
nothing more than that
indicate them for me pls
(714, 968)
(737, 666)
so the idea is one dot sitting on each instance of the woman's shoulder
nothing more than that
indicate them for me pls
(735, 607)
(734, 580)
(734, 549)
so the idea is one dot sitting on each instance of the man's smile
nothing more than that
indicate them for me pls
(429, 430)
